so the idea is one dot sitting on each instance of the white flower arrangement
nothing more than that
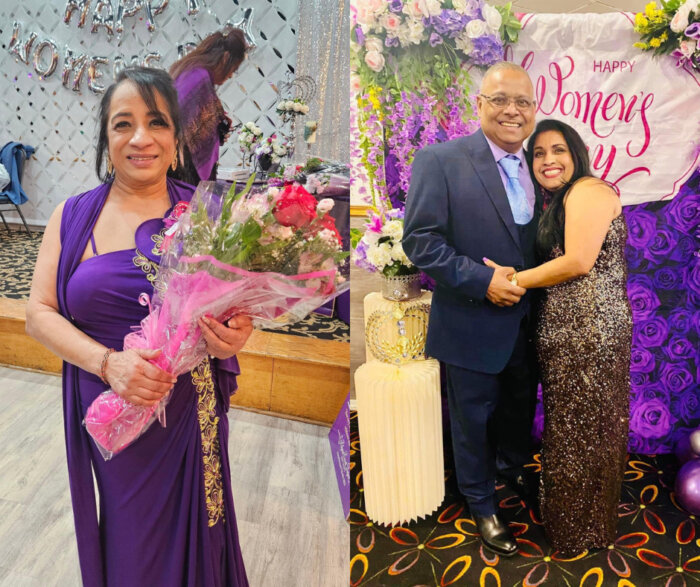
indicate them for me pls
(292, 107)
(379, 248)
(249, 136)
(272, 146)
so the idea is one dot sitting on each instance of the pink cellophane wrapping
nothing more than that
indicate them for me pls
(193, 286)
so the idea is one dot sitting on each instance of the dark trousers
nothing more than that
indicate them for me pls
(491, 417)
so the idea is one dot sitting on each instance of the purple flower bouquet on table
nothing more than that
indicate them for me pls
(273, 255)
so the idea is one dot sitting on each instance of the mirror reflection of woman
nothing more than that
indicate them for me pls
(166, 512)
(583, 340)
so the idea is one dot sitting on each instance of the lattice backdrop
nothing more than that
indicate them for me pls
(61, 123)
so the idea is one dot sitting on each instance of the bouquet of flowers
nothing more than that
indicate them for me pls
(248, 137)
(674, 28)
(379, 248)
(274, 255)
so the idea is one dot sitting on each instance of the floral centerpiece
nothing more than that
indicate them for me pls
(378, 249)
(674, 28)
(270, 151)
(289, 108)
(273, 254)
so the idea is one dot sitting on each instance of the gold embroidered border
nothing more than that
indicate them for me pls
(209, 427)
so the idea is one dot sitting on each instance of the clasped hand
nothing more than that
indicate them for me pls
(133, 377)
(501, 291)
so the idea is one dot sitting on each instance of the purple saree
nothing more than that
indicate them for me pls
(166, 515)
(201, 112)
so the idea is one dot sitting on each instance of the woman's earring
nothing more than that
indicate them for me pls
(173, 165)
(110, 167)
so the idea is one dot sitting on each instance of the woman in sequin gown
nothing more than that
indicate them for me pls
(583, 341)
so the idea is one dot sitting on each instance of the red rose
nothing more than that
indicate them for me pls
(295, 207)
(328, 222)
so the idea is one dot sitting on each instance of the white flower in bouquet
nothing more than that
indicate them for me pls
(380, 255)
(415, 32)
(304, 109)
(393, 229)
(374, 60)
(281, 106)
(687, 48)
(492, 17)
(289, 105)
(398, 254)
(327, 237)
(476, 28)
(391, 22)
(296, 106)
(460, 6)
(250, 126)
(374, 44)
(257, 131)
(326, 204)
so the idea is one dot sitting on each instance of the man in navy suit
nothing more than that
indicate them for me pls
(470, 199)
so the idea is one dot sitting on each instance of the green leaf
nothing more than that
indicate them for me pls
(355, 237)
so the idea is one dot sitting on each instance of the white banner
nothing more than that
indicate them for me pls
(638, 115)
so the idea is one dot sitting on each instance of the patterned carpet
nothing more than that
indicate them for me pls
(18, 254)
(658, 544)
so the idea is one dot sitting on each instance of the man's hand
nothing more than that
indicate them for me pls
(501, 291)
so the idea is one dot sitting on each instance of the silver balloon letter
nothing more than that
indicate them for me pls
(185, 48)
(94, 74)
(45, 71)
(245, 25)
(81, 5)
(152, 11)
(123, 10)
(75, 64)
(150, 58)
(192, 7)
(20, 48)
(105, 20)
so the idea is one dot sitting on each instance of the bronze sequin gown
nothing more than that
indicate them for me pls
(584, 337)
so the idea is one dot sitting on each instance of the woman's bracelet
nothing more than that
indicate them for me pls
(103, 365)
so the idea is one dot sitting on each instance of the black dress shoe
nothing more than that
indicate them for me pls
(496, 535)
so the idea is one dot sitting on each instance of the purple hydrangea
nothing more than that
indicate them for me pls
(449, 22)
(487, 50)
(435, 40)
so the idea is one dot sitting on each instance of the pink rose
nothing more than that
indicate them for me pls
(374, 60)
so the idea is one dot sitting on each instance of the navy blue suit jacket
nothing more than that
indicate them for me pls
(457, 213)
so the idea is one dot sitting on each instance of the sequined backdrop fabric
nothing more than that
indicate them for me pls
(324, 54)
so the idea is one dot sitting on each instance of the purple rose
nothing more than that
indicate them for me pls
(650, 333)
(680, 320)
(642, 360)
(653, 390)
(638, 380)
(662, 244)
(669, 277)
(643, 299)
(679, 348)
(635, 258)
(675, 377)
(693, 280)
(684, 250)
(683, 212)
(641, 226)
(435, 40)
(651, 419)
(687, 405)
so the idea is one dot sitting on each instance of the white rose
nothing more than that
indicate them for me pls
(379, 256)
(289, 104)
(305, 109)
(399, 255)
(413, 8)
(476, 28)
(464, 43)
(280, 106)
(374, 60)
(250, 126)
(297, 107)
(431, 7)
(371, 237)
(374, 44)
(257, 131)
(415, 32)
(460, 6)
(679, 22)
(492, 17)
(325, 205)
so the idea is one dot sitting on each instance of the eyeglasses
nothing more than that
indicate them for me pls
(501, 102)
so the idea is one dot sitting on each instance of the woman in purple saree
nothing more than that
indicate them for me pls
(166, 515)
(205, 125)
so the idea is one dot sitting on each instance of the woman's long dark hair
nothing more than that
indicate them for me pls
(220, 54)
(550, 232)
(149, 82)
